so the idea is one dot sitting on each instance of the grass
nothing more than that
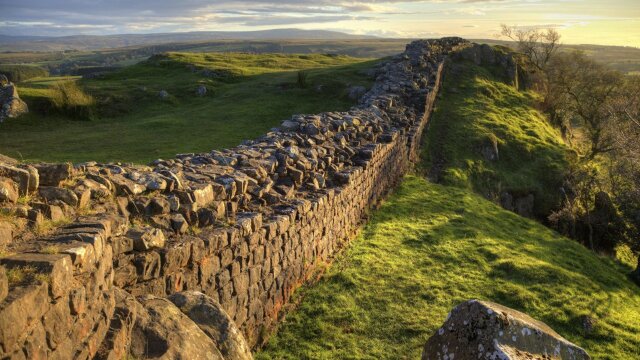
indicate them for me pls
(430, 247)
(24, 275)
(247, 95)
(475, 105)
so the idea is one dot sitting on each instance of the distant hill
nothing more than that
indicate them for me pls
(98, 42)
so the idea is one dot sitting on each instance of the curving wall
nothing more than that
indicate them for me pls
(246, 226)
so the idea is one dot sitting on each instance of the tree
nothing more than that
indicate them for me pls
(584, 91)
(538, 45)
(623, 166)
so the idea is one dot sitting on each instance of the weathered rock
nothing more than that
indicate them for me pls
(8, 190)
(289, 125)
(21, 177)
(163, 94)
(162, 331)
(356, 92)
(146, 238)
(11, 106)
(6, 233)
(52, 194)
(57, 269)
(118, 340)
(4, 284)
(201, 90)
(524, 205)
(54, 174)
(485, 330)
(215, 322)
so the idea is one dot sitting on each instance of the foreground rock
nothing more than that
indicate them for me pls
(485, 330)
(162, 331)
(214, 321)
(11, 106)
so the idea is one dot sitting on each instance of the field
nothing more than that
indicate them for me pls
(247, 95)
(430, 247)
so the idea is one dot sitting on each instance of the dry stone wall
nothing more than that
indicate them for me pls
(245, 226)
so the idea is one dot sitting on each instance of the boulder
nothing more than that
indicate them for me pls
(53, 174)
(356, 92)
(162, 331)
(485, 330)
(201, 90)
(11, 106)
(209, 315)
(52, 194)
(163, 94)
(8, 190)
(146, 238)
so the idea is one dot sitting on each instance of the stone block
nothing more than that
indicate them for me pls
(21, 177)
(23, 307)
(56, 268)
(54, 174)
(146, 238)
(147, 265)
(9, 191)
(52, 194)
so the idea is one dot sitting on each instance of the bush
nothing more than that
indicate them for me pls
(19, 73)
(302, 79)
(69, 99)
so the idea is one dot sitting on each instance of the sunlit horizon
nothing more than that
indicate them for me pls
(578, 21)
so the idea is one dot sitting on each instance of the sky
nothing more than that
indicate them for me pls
(610, 22)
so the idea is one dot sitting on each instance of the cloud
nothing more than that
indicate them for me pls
(63, 16)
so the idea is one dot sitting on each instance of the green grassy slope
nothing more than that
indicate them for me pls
(249, 95)
(475, 108)
(431, 247)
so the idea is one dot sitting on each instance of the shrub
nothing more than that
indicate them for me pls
(302, 79)
(69, 99)
(19, 73)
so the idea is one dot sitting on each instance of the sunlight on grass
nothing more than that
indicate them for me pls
(477, 106)
(132, 124)
(431, 247)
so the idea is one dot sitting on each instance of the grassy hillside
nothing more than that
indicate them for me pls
(475, 105)
(431, 247)
(247, 95)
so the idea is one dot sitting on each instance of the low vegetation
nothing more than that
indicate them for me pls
(69, 99)
(19, 73)
(24, 275)
(430, 247)
(246, 96)
(494, 117)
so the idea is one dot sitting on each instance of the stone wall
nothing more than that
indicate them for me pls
(246, 226)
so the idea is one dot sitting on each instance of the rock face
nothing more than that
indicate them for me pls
(488, 55)
(162, 331)
(11, 106)
(214, 321)
(201, 90)
(485, 330)
(356, 92)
